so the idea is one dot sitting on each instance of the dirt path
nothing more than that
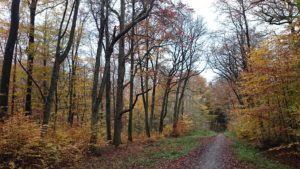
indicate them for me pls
(210, 159)
(213, 153)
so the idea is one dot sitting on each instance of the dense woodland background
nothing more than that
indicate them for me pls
(81, 74)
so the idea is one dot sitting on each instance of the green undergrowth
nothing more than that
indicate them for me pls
(164, 150)
(173, 148)
(245, 152)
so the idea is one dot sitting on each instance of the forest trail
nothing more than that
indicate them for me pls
(210, 159)
(214, 153)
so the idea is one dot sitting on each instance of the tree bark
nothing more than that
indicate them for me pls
(59, 58)
(31, 53)
(164, 107)
(145, 103)
(97, 95)
(8, 57)
(130, 115)
(13, 96)
(154, 92)
(108, 80)
(121, 73)
(146, 95)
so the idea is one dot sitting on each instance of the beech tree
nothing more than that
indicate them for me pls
(277, 12)
(190, 44)
(60, 56)
(31, 51)
(231, 48)
(8, 57)
(147, 7)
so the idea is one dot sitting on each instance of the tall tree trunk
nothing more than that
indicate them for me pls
(95, 105)
(45, 55)
(108, 102)
(13, 96)
(71, 90)
(180, 102)
(31, 53)
(177, 95)
(52, 91)
(146, 122)
(164, 107)
(72, 94)
(74, 62)
(176, 107)
(97, 95)
(144, 88)
(120, 82)
(84, 96)
(154, 92)
(59, 58)
(130, 115)
(8, 57)
(108, 79)
(56, 107)
(114, 88)
(146, 95)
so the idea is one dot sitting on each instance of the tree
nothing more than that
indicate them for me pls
(73, 72)
(231, 49)
(60, 56)
(132, 74)
(147, 7)
(190, 45)
(31, 51)
(272, 82)
(96, 97)
(111, 40)
(278, 12)
(8, 56)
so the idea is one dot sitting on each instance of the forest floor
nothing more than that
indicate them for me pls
(200, 150)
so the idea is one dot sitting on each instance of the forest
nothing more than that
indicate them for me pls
(120, 84)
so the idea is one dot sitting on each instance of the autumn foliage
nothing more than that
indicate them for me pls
(271, 89)
(61, 147)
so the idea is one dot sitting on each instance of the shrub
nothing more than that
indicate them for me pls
(22, 147)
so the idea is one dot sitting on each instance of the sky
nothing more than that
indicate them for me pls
(205, 9)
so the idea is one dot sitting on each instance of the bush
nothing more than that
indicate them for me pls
(22, 147)
(20, 144)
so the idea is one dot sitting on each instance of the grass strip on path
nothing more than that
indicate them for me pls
(173, 148)
(163, 151)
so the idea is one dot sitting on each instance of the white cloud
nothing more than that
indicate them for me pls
(205, 9)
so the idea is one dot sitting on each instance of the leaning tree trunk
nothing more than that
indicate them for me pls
(8, 57)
